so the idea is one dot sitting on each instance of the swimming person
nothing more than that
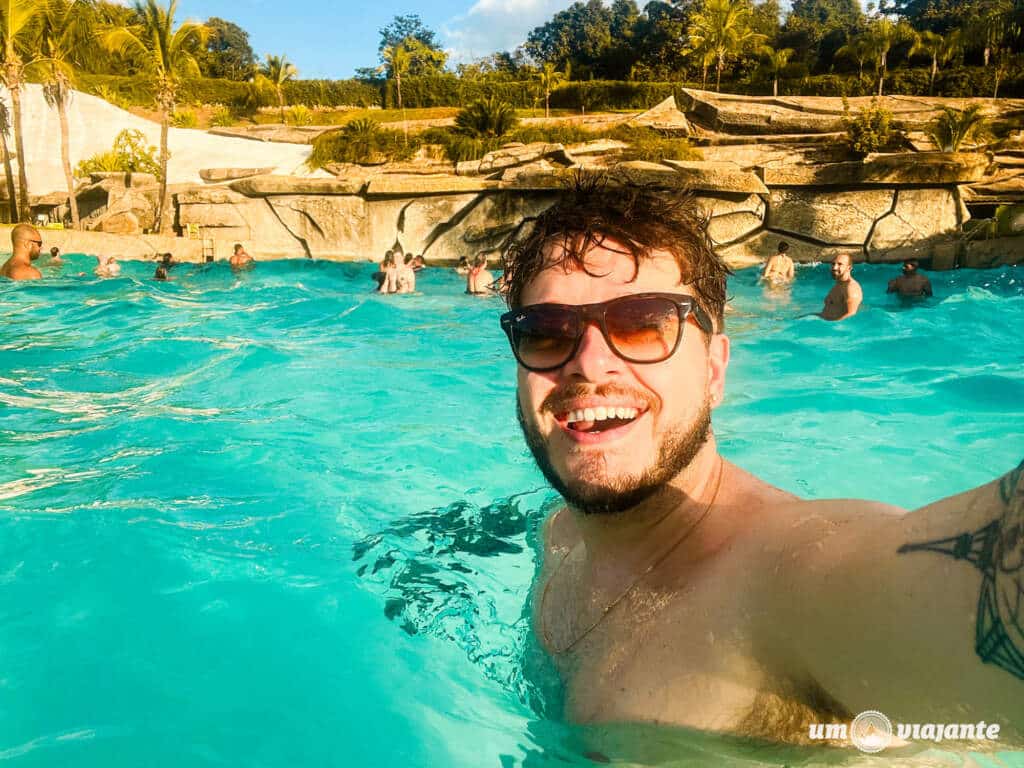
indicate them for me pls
(418, 263)
(779, 270)
(55, 256)
(405, 279)
(25, 246)
(846, 295)
(478, 279)
(676, 587)
(107, 266)
(911, 283)
(240, 259)
(388, 282)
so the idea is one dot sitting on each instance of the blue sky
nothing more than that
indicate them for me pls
(330, 39)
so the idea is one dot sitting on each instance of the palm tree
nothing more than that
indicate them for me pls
(16, 18)
(5, 130)
(397, 60)
(549, 79)
(722, 28)
(276, 71)
(165, 54)
(940, 48)
(860, 48)
(775, 62)
(62, 32)
(883, 34)
(953, 127)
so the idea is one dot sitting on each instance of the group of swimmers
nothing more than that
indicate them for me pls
(397, 273)
(27, 245)
(846, 296)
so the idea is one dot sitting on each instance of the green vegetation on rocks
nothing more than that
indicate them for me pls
(128, 155)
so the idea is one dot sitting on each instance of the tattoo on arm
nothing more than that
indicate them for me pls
(997, 550)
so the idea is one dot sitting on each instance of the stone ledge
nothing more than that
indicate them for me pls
(889, 170)
(705, 176)
(265, 186)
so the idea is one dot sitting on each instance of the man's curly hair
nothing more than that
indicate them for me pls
(597, 210)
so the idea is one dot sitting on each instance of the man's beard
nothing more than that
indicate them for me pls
(678, 448)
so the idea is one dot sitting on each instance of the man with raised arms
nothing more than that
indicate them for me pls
(677, 588)
(25, 246)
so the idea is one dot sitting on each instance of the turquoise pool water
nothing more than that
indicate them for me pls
(276, 520)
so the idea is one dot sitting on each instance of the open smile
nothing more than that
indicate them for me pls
(598, 423)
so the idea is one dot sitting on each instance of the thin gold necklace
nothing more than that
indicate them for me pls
(647, 572)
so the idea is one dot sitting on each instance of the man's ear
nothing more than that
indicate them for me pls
(718, 362)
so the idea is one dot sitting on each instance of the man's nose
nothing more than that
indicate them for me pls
(594, 359)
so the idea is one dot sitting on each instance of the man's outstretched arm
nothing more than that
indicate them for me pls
(919, 615)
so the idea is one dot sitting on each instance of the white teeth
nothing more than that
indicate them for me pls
(601, 413)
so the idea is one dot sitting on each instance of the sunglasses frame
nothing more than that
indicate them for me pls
(685, 304)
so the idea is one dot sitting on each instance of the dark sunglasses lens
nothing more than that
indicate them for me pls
(545, 336)
(644, 330)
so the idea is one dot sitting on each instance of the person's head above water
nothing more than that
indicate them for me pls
(408, 258)
(617, 306)
(842, 267)
(55, 252)
(25, 239)
(238, 248)
(166, 258)
(783, 246)
(910, 266)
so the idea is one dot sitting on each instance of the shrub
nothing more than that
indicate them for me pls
(950, 129)
(129, 155)
(361, 141)
(648, 144)
(184, 118)
(108, 94)
(333, 93)
(299, 115)
(486, 118)
(222, 117)
(871, 130)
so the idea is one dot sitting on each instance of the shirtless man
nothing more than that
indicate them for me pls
(240, 259)
(677, 588)
(911, 283)
(479, 278)
(844, 299)
(25, 246)
(779, 270)
(55, 256)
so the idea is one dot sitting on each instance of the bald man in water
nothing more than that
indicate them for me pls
(846, 295)
(25, 247)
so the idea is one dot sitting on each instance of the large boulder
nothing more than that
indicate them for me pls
(759, 247)
(906, 169)
(833, 217)
(265, 186)
(733, 217)
(917, 215)
(487, 224)
(218, 175)
(325, 226)
(515, 155)
(704, 176)
(664, 117)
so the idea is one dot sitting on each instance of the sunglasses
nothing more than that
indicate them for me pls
(642, 328)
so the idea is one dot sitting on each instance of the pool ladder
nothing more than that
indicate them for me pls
(209, 249)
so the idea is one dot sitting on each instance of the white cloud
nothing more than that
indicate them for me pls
(496, 25)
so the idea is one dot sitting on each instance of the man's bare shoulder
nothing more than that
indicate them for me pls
(560, 533)
(21, 273)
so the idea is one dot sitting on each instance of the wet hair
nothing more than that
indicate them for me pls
(238, 247)
(408, 258)
(480, 261)
(783, 246)
(54, 251)
(166, 258)
(623, 216)
(389, 259)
